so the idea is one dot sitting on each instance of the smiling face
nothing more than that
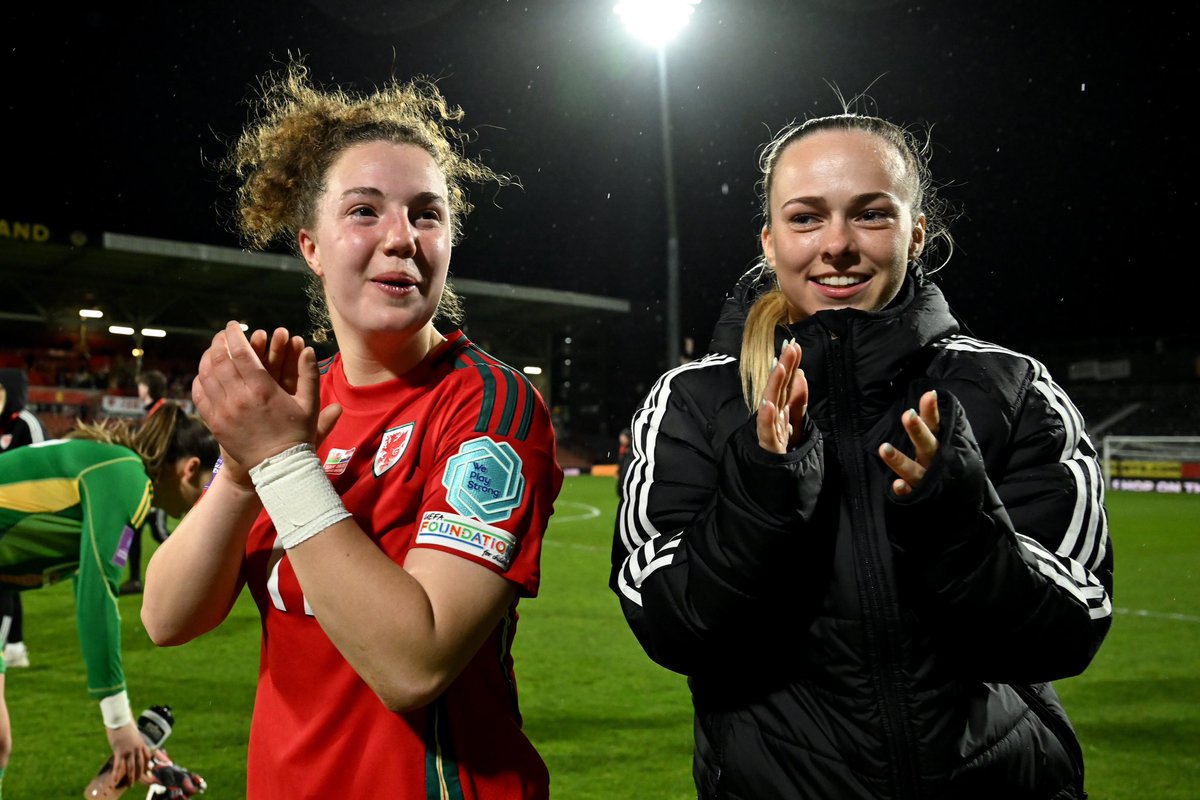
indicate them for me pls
(841, 229)
(381, 242)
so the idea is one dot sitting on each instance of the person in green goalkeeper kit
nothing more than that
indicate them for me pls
(70, 508)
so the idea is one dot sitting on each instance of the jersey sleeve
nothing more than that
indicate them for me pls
(114, 498)
(494, 477)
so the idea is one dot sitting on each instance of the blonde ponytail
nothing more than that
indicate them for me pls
(758, 344)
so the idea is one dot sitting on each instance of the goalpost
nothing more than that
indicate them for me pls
(1169, 464)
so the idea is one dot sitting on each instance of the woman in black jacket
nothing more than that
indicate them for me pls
(869, 540)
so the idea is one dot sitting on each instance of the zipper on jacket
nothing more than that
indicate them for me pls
(881, 635)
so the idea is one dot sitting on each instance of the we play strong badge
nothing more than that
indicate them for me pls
(483, 480)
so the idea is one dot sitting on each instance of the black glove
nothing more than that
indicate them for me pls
(172, 781)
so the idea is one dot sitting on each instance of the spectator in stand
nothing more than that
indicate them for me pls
(39, 376)
(152, 391)
(624, 456)
(18, 427)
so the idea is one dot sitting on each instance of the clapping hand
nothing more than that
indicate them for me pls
(922, 429)
(784, 402)
(260, 395)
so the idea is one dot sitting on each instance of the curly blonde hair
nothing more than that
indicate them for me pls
(298, 130)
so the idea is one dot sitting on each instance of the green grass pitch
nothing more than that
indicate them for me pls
(610, 723)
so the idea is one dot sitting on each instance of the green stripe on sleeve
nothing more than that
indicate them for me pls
(441, 770)
(510, 403)
(527, 412)
(489, 389)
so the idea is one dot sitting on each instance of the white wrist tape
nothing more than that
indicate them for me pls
(296, 494)
(116, 711)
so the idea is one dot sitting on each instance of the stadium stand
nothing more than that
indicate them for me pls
(187, 291)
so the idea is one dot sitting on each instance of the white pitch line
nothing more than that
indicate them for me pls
(1137, 612)
(589, 512)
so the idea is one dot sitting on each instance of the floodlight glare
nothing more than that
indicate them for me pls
(90, 313)
(123, 330)
(531, 370)
(655, 21)
(155, 333)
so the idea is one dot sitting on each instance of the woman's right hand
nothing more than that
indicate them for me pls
(784, 403)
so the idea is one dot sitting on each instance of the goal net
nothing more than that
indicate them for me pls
(1168, 464)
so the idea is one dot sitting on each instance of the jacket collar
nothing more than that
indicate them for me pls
(877, 347)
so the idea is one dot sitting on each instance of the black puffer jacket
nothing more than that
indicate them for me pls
(840, 642)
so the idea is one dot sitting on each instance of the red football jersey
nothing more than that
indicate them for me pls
(458, 454)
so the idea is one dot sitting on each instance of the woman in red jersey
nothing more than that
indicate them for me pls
(384, 507)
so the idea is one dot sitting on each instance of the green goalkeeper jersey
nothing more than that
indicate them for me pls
(70, 507)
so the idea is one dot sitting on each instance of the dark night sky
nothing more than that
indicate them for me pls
(1059, 128)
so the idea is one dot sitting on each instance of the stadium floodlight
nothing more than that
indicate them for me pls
(90, 313)
(123, 330)
(657, 22)
(531, 370)
(154, 333)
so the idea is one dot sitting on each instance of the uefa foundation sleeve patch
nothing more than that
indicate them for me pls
(468, 536)
(484, 480)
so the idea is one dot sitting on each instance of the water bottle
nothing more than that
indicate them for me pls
(155, 725)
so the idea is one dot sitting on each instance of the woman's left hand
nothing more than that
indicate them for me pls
(259, 397)
(922, 429)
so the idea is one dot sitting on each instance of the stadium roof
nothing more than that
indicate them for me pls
(188, 289)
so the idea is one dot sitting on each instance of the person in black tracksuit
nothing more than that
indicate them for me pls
(870, 540)
(18, 427)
